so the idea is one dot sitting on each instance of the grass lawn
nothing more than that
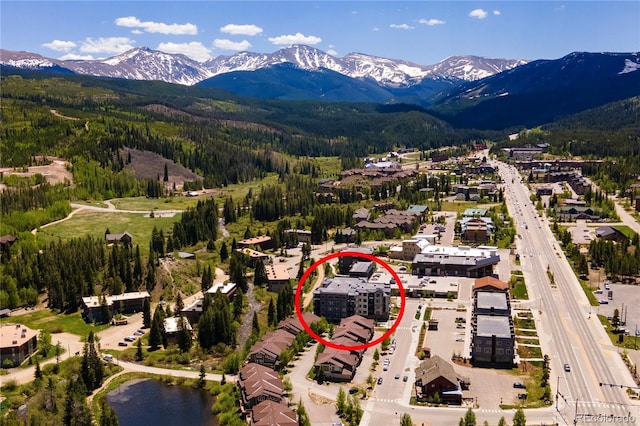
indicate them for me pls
(55, 323)
(95, 224)
(457, 206)
(147, 204)
(625, 230)
(329, 166)
(630, 342)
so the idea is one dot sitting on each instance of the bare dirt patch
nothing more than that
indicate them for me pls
(55, 172)
(148, 165)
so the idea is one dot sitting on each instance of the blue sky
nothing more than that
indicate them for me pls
(424, 32)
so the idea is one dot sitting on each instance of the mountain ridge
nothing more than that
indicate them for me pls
(144, 63)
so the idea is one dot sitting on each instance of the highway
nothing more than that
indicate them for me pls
(569, 329)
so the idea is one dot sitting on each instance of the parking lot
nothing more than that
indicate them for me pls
(110, 337)
(624, 296)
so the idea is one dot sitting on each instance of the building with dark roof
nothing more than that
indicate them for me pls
(362, 269)
(610, 233)
(493, 341)
(491, 303)
(267, 350)
(341, 297)
(436, 376)
(123, 237)
(455, 261)
(345, 262)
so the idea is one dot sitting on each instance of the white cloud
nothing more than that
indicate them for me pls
(478, 13)
(225, 44)
(136, 32)
(297, 38)
(375, 29)
(431, 22)
(194, 50)
(496, 12)
(401, 26)
(106, 45)
(60, 45)
(75, 57)
(157, 27)
(235, 29)
(332, 52)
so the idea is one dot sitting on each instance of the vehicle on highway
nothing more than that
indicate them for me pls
(379, 380)
(519, 385)
(397, 376)
(567, 368)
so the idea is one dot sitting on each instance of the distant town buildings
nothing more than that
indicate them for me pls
(455, 261)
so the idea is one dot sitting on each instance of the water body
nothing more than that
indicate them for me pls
(154, 403)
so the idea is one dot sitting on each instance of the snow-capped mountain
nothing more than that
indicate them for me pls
(147, 64)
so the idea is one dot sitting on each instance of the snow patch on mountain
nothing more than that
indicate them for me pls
(630, 66)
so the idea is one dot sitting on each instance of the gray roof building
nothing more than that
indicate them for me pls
(342, 297)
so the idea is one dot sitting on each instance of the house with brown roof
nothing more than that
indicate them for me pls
(490, 283)
(269, 413)
(252, 256)
(293, 325)
(258, 383)
(436, 376)
(263, 242)
(123, 237)
(267, 351)
(338, 365)
(357, 322)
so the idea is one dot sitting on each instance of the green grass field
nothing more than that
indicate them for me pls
(630, 233)
(148, 204)
(55, 323)
(95, 224)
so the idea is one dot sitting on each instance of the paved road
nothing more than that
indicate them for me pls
(569, 334)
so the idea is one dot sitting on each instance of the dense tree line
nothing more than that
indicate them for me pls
(618, 259)
(199, 223)
(215, 324)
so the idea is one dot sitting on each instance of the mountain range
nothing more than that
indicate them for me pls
(146, 64)
(466, 91)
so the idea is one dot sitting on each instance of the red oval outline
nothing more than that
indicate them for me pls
(355, 254)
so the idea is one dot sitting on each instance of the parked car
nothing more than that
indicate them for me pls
(567, 368)
(405, 378)
(397, 376)
(108, 357)
(379, 380)
(122, 343)
(522, 396)
(139, 332)
(604, 302)
(129, 339)
(519, 385)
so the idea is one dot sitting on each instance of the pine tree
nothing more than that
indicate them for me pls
(238, 302)
(260, 274)
(38, 373)
(300, 270)
(341, 401)
(406, 420)
(255, 326)
(76, 412)
(184, 336)
(519, 419)
(108, 416)
(303, 417)
(146, 313)
(139, 354)
(271, 314)
(202, 377)
(206, 329)
(166, 173)
(105, 312)
(179, 303)
(224, 254)
(470, 418)
(156, 334)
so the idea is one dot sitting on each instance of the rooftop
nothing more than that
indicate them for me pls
(93, 301)
(255, 240)
(350, 285)
(224, 288)
(491, 299)
(499, 326)
(277, 272)
(14, 335)
(172, 324)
